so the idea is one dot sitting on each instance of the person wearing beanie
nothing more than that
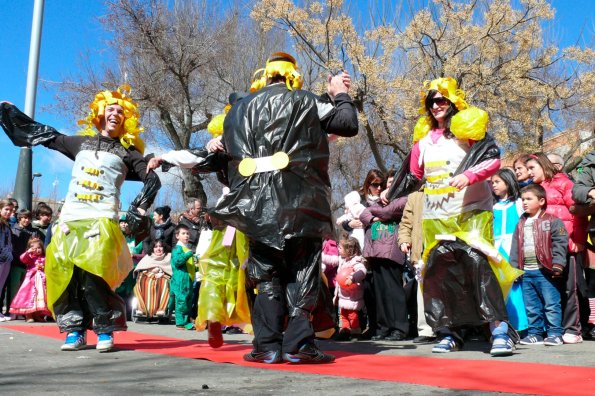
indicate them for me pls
(162, 229)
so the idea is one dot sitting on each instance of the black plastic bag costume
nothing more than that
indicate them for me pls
(284, 212)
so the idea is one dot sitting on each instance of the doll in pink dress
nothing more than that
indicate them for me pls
(31, 299)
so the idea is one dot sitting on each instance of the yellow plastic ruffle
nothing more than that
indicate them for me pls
(421, 129)
(471, 123)
(475, 228)
(222, 291)
(94, 245)
(215, 127)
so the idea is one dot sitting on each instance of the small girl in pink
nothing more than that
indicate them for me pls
(349, 291)
(31, 299)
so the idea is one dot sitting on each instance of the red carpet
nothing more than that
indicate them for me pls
(483, 375)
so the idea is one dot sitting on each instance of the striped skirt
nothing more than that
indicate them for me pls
(152, 293)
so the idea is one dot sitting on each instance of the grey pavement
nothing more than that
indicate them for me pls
(34, 364)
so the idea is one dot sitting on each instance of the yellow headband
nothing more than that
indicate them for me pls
(280, 64)
(130, 136)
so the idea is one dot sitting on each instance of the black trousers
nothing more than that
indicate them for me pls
(287, 282)
(391, 302)
(89, 303)
(575, 305)
(369, 305)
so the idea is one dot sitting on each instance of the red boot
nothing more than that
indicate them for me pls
(215, 335)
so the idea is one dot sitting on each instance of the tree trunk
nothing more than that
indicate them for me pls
(192, 187)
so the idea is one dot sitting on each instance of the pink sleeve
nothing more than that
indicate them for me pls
(26, 258)
(414, 167)
(482, 171)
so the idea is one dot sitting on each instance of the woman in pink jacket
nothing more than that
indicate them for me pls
(558, 188)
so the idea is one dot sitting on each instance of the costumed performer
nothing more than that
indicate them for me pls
(88, 257)
(222, 299)
(277, 143)
(465, 279)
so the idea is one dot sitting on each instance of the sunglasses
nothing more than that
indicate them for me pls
(377, 185)
(441, 101)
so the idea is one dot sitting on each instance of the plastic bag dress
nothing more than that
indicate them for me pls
(223, 296)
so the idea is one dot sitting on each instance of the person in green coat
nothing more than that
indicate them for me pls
(183, 272)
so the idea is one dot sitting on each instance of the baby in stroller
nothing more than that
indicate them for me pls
(151, 291)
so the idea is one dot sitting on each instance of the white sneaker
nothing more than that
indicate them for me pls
(3, 318)
(105, 342)
(572, 338)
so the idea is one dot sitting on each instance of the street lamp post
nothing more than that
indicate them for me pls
(36, 191)
(23, 185)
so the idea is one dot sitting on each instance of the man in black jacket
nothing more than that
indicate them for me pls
(277, 142)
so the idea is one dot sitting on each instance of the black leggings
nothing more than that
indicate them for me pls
(89, 303)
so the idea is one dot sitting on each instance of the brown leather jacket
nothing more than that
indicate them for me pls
(551, 242)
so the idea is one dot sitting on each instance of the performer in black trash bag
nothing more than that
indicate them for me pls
(277, 143)
(465, 279)
(88, 256)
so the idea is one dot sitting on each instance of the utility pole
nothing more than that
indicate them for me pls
(23, 187)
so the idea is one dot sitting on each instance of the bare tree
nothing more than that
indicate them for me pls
(496, 49)
(182, 59)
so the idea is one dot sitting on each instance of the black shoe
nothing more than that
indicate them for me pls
(395, 335)
(424, 340)
(268, 357)
(343, 335)
(366, 335)
(308, 354)
(234, 330)
(378, 337)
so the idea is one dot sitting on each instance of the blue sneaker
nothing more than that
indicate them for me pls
(75, 340)
(446, 345)
(105, 342)
(532, 339)
(553, 341)
(502, 345)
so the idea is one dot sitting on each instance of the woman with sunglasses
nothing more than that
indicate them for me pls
(374, 184)
(386, 263)
(454, 154)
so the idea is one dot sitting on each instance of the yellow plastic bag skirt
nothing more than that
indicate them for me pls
(475, 228)
(94, 245)
(222, 295)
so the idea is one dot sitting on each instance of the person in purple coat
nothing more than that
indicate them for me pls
(386, 261)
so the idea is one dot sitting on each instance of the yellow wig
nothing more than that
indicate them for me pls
(279, 64)
(130, 136)
(468, 123)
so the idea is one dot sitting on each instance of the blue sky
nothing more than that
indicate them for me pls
(72, 27)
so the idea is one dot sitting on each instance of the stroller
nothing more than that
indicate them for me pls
(151, 298)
